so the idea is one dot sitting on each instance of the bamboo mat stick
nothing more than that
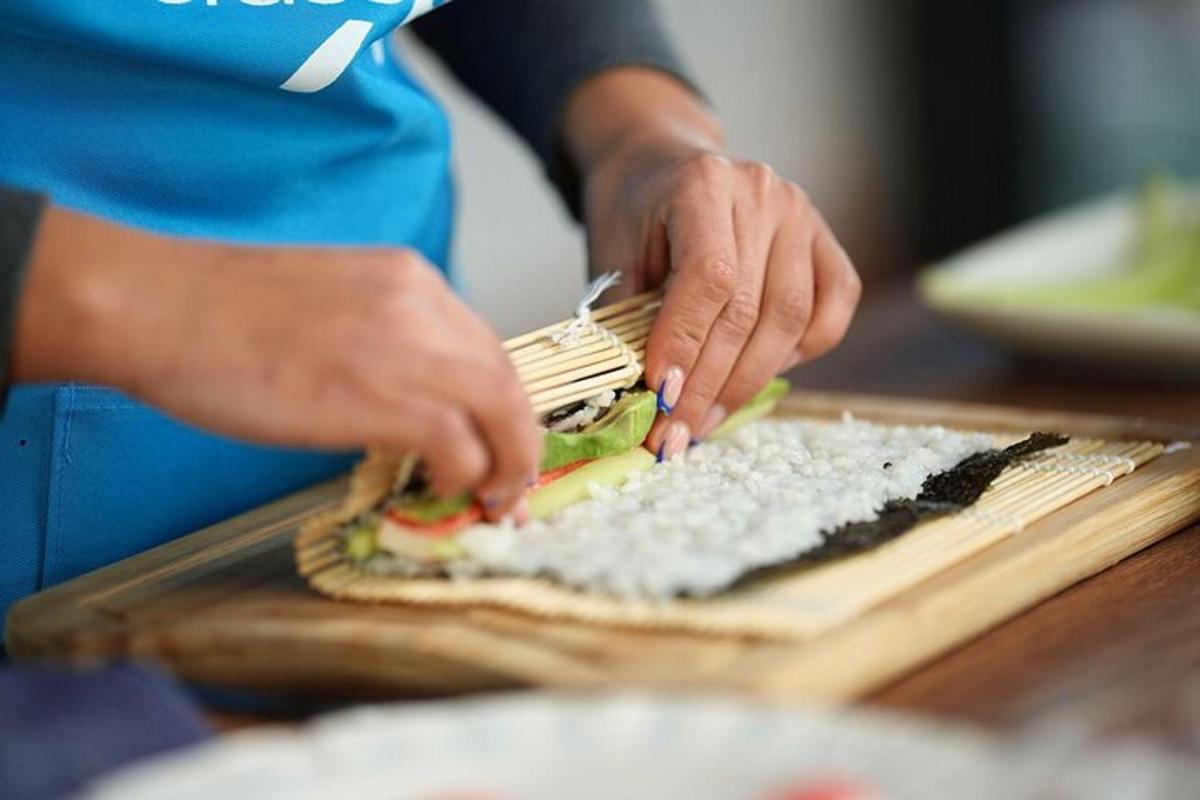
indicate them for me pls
(632, 325)
(638, 303)
(611, 358)
(591, 356)
(617, 361)
(612, 323)
(598, 383)
(551, 352)
(550, 365)
(547, 348)
(606, 353)
(645, 300)
(558, 398)
(545, 407)
(600, 345)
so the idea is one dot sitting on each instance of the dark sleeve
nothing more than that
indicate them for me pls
(20, 213)
(61, 730)
(523, 58)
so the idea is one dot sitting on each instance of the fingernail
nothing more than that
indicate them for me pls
(532, 482)
(492, 502)
(674, 441)
(715, 416)
(669, 389)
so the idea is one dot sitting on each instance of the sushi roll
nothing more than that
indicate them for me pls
(594, 444)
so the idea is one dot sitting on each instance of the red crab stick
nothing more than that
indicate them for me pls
(449, 526)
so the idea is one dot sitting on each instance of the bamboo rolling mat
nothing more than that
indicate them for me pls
(603, 349)
(800, 604)
(592, 352)
(225, 607)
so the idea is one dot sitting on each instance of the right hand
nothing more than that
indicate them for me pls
(316, 347)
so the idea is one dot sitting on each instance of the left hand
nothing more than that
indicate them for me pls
(755, 280)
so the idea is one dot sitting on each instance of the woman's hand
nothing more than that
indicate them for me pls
(755, 280)
(298, 346)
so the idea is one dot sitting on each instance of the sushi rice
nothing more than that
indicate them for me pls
(760, 496)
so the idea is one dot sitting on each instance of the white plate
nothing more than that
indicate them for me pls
(535, 746)
(1088, 241)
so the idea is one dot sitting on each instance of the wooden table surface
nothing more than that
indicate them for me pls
(1118, 651)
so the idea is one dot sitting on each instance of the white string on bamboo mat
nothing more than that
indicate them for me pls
(582, 324)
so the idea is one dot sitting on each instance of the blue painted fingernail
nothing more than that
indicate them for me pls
(491, 502)
(674, 441)
(669, 389)
(663, 408)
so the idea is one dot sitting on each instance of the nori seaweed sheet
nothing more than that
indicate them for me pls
(945, 493)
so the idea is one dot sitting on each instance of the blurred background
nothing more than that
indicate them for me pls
(917, 127)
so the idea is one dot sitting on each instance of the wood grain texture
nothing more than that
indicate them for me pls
(1091, 650)
(225, 607)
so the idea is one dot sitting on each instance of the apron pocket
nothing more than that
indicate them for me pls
(125, 477)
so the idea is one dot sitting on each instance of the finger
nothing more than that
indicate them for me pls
(670, 436)
(837, 289)
(701, 280)
(787, 307)
(446, 441)
(732, 329)
(499, 409)
(466, 368)
(483, 381)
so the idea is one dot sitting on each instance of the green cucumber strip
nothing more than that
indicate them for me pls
(758, 407)
(360, 543)
(623, 428)
(573, 487)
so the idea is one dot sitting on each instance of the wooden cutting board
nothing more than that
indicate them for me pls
(224, 607)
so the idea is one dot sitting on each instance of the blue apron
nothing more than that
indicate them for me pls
(254, 121)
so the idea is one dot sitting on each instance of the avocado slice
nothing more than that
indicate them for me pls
(614, 470)
(623, 428)
(573, 488)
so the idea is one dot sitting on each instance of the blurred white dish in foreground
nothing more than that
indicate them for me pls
(633, 746)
